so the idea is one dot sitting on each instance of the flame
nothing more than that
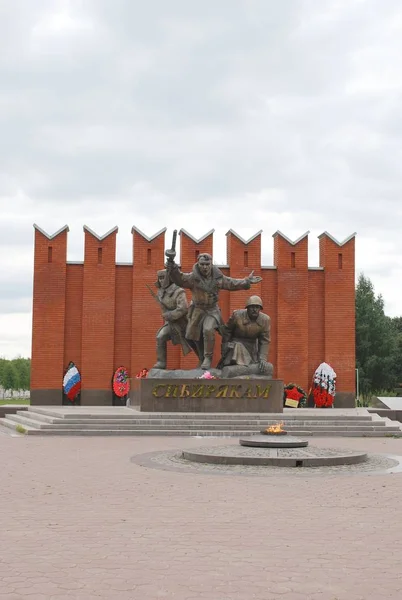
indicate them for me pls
(277, 428)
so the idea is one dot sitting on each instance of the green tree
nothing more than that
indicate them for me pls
(376, 340)
(10, 379)
(397, 322)
(23, 367)
(3, 362)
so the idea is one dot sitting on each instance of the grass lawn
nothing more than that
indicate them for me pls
(15, 401)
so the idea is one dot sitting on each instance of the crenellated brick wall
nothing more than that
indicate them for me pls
(101, 315)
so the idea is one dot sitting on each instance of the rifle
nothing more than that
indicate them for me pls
(171, 254)
(154, 296)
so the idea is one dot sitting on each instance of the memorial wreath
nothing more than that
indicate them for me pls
(324, 386)
(143, 374)
(294, 396)
(121, 382)
(72, 382)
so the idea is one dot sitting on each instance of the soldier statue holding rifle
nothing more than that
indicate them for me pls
(173, 302)
(204, 315)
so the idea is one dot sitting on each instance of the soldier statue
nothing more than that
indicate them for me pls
(246, 340)
(173, 302)
(204, 315)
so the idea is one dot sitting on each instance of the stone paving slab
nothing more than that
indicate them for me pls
(79, 520)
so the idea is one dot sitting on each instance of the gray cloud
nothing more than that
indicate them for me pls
(285, 115)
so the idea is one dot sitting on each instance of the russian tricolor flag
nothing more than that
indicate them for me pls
(72, 382)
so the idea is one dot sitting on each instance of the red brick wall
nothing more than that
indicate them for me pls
(291, 263)
(49, 309)
(98, 311)
(73, 328)
(269, 293)
(316, 341)
(146, 317)
(122, 317)
(243, 258)
(339, 308)
(103, 316)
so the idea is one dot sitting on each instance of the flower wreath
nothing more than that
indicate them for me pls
(324, 386)
(207, 375)
(142, 374)
(121, 382)
(294, 396)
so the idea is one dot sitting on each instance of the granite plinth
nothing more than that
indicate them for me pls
(231, 372)
(211, 395)
(273, 441)
(274, 457)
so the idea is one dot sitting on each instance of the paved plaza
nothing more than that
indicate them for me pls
(83, 518)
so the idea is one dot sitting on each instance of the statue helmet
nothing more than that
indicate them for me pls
(254, 301)
(161, 273)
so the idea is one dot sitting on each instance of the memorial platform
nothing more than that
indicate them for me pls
(131, 421)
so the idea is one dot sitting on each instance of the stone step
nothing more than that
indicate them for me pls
(24, 417)
(257, 422)
(5, 422)
(193, 428)
(104, 421)
(188, 433)
(127, 413)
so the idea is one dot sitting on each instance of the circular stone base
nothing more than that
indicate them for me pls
(271, 441)
(276, 457)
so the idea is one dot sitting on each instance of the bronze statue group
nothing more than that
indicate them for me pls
(245, 337)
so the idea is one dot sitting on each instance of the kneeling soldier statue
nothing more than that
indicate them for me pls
(246, 340)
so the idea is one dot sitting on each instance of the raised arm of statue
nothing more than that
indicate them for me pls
(233, 285)
(184, 280)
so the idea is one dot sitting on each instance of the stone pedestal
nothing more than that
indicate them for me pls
(212, 395)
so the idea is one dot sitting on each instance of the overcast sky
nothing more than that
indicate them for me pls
(242, 114)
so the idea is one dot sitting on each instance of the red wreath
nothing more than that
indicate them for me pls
(322, 398)
(121, 382)
(295, 392)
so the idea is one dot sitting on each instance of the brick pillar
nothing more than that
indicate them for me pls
(338, 261)
(123, 315)
(190, 248)
(73, 327)
(146, 318)
(269, 296)
(98, 317)
(49, 305)
(291, 261)
(243, 257)
(316, 324)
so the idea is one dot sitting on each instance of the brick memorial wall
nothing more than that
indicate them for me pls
(100, 314)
